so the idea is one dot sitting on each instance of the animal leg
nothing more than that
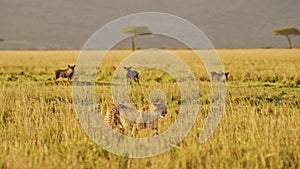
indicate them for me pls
(155, 130)
(134, 130)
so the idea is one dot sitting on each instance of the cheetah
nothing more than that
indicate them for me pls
(115, 118)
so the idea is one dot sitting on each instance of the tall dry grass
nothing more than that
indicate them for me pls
(259, 129)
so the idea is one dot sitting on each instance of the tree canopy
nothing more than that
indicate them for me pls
(287, 32)
(136, 31)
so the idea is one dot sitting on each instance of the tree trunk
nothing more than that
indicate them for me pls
(132, 42)
(290, 42)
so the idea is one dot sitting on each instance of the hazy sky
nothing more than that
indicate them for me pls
(57, 24)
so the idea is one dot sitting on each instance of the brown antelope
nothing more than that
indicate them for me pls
(131, 74)
(220, 76)
(66, 73)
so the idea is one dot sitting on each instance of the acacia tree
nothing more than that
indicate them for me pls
(136, 31)
(288, 32)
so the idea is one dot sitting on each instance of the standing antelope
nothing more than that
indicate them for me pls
(131, 74)
(220, 76)
(66, 73)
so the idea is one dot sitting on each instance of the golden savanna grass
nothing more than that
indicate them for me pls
(260, 127)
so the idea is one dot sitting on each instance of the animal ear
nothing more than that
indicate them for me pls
(124, 67)
(74, 66)
(145, 108)
(69, 66)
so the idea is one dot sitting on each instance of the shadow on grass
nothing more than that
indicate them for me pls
(77, 83)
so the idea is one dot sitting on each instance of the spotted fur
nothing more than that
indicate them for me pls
(115, 118)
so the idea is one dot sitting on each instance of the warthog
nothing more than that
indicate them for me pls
(66, 73)
(220, 76)
(131, 74)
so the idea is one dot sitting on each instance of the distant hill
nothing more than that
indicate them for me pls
(56, 24)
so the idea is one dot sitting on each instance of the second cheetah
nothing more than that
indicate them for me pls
(115, 118)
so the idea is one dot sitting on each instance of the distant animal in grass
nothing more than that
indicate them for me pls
(131, 75)
(65, 73)
(115, 118)
(220, 76)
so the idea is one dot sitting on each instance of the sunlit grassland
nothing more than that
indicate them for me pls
(259, 129)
